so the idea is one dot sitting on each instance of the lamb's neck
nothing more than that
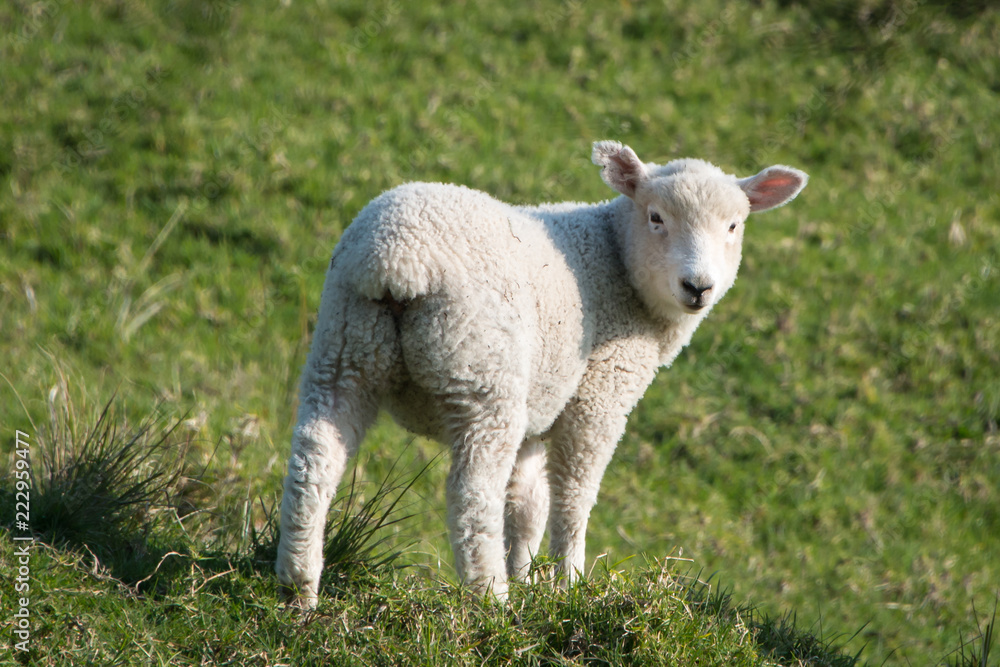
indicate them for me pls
(676, 335)
(621, 211)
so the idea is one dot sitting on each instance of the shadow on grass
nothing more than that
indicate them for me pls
(780, 637)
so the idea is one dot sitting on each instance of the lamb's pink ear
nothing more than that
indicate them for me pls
(622, 168)
(773, 187)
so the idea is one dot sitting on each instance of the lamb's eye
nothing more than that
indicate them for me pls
(656, 223)
(732, 227)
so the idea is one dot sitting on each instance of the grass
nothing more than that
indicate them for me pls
(176, 174)
(979, 649)
(112, 582)
(223, 613)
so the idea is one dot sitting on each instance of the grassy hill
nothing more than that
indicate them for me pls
(176, 174)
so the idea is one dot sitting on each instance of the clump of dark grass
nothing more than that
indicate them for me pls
(100, 481)
(979, 648)
(117, 491)
(357, 543)
(356, 538)
(783, 640)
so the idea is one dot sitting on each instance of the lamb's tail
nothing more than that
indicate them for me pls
(402, 247)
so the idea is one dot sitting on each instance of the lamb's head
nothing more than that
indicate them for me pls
(683, 244)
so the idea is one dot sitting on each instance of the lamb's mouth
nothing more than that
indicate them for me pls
(690, 305)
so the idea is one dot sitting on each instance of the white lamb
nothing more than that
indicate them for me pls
(497, 329)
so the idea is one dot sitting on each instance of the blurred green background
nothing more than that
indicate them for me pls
(176, 174)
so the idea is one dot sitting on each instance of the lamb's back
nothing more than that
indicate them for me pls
(423, 238)
(552, 269)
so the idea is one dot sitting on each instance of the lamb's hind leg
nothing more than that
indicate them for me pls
(527, 508)
(327, 435)
(482, 459)
(463, 348)
(351, 357)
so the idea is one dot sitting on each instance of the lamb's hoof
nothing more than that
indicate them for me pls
(296, 598)
(489, 592)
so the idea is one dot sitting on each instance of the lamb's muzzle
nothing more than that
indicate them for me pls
(695, 293)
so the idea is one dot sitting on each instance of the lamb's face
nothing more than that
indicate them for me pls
(687, 239)
(684, 242)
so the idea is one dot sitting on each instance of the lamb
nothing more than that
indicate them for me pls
(520, 336)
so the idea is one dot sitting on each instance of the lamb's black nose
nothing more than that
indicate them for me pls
(695, 290)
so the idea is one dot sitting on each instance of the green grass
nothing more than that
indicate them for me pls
(223, 612)
(118, 574)
(176, 174)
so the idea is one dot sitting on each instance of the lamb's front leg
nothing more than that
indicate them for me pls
(527, 508)
(584, 439)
